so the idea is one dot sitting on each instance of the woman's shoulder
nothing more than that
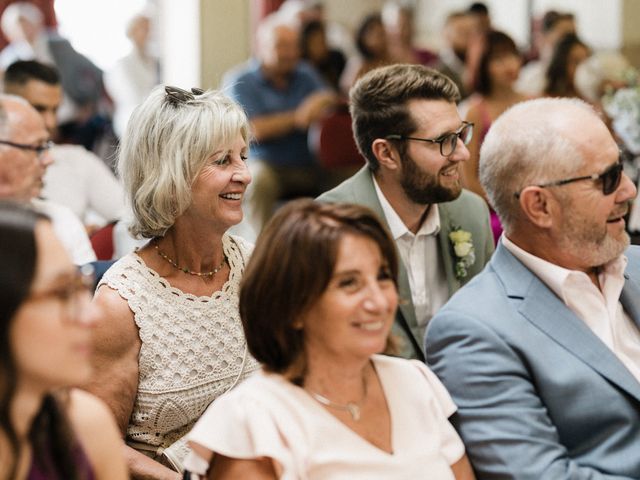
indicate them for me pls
(413, 375)
(96, 430)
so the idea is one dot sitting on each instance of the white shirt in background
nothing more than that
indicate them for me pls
(69, 230)
(80, 180)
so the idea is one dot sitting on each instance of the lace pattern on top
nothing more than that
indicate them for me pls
(192, 347)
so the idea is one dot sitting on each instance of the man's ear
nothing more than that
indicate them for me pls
(539, 206)
(386, 153)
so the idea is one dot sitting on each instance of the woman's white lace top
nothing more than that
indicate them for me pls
(193, 348)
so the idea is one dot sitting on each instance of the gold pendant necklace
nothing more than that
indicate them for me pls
(185, 269)
(354, 408)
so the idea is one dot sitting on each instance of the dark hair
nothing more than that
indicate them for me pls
(21, 72)
(289, 270)
(558, 82)
(551, 18)
(495, 44)
(308, 30)
(50, 435)
(367, 24)
(478, 8)
(378, 103)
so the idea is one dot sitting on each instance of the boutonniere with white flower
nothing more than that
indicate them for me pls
(463, 250)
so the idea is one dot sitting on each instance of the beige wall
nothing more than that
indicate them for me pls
(630, 31)
(225, 32)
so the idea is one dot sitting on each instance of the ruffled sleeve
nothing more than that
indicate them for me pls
(246, 424)
(451, 446)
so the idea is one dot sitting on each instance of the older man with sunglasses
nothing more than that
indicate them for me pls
(24, 157)
(407, 126)
(541, 352)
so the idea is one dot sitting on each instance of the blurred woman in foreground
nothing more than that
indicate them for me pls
(46, 430)
(317, 303)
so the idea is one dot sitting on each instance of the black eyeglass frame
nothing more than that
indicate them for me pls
(614, 171)
(39, 149)
(442, 139)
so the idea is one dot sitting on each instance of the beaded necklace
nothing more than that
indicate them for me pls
(185, 269)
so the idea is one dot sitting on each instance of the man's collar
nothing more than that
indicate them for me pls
(430, 223)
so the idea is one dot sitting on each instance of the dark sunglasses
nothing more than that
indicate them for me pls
(610, 179)
(179, 96)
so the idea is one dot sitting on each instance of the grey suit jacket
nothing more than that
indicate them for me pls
(468, 211)
(539, 395)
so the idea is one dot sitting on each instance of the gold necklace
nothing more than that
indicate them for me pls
(185, 269)
(354, 408)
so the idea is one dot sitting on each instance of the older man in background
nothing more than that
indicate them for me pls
(282, 98)
(24, 157)
(77, 178)
(541, 351)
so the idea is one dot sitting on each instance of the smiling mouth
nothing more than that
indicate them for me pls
(450, 171)
(232, 196)
(370, 326)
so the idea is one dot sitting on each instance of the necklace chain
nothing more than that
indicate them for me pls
(354, 408)
(185, 269)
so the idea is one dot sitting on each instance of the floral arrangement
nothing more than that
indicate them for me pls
(463, 251)
(623, 107)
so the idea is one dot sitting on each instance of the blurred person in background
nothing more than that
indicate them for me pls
(24, 158)
(133, 76)
(77, 178)
(79, 117)
(495, 78)
(397, 18)
(553, 26)
(458, 32)
(480, 12)
(329, 63)
(569, 52)
(373, 47)
(47, 429)
(282, 96)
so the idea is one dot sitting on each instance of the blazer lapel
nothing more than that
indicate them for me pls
(444, 246)
(544, 309)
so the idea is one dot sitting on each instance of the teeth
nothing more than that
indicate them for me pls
(232, 196)
(371, 326)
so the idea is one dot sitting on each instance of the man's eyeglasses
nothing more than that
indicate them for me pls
(39, 149)
(71, 294)
(447, 142)
(610, 179)
(178, 96)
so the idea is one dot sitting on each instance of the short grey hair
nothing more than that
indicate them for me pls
(163, 149)
(16, 11)
(6, 127)
(267, 28)
(525, 147)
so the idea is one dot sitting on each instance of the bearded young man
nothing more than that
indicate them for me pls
(407, 126)
(541, 352)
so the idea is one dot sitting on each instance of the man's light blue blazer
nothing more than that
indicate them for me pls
(539, 395)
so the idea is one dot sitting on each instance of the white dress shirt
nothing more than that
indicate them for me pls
(81, 181)
(419, 254)
(601, 310)
(69, 230)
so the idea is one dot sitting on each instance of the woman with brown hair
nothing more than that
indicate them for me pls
(317, 303)
(494, 82)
